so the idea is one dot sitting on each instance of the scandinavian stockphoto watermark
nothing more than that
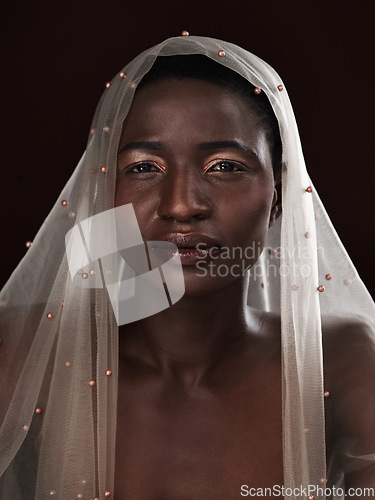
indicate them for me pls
(307, 492)
(143, 278)
(236, 261)
(107, 251)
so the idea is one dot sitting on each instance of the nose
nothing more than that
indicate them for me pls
(183, 197)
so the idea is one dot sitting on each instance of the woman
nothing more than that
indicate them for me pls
(213, 397)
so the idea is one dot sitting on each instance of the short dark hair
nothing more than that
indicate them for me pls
(200, 67)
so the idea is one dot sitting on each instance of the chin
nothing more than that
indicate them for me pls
(202, 282)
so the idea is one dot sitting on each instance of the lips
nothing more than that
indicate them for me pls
(192, 247)
(191, 240)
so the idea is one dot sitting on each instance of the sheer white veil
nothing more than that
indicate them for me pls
(59, 342)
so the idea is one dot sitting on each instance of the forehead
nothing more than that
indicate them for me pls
(191, 107)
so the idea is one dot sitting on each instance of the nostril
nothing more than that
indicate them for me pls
(183, 196)
(173, 208)
(181, 218)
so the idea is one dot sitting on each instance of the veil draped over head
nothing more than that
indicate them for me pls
(59, 341)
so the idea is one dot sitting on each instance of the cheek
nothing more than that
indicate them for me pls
(128, 194)
(123, 194)
(248, 218)
(144, 203)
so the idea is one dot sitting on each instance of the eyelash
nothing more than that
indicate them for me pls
(141, 164)
(236, 165)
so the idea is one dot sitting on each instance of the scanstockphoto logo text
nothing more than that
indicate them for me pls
(310, 491)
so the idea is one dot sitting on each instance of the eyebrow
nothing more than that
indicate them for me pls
(150, 145)
(203, 146)
(226, 144)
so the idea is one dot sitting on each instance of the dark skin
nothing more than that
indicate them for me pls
(199, 405)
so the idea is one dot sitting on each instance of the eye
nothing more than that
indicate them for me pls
(226, 166)
(142, 168)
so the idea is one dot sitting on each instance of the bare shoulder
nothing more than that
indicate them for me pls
(349, 349)
(349, 368)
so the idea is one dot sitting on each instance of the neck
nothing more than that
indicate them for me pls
(191, 337)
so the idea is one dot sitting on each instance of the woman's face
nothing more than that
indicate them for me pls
(195, 163)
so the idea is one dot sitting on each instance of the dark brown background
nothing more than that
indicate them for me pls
(57, 57)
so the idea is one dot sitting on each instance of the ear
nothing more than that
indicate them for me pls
(276, 201)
